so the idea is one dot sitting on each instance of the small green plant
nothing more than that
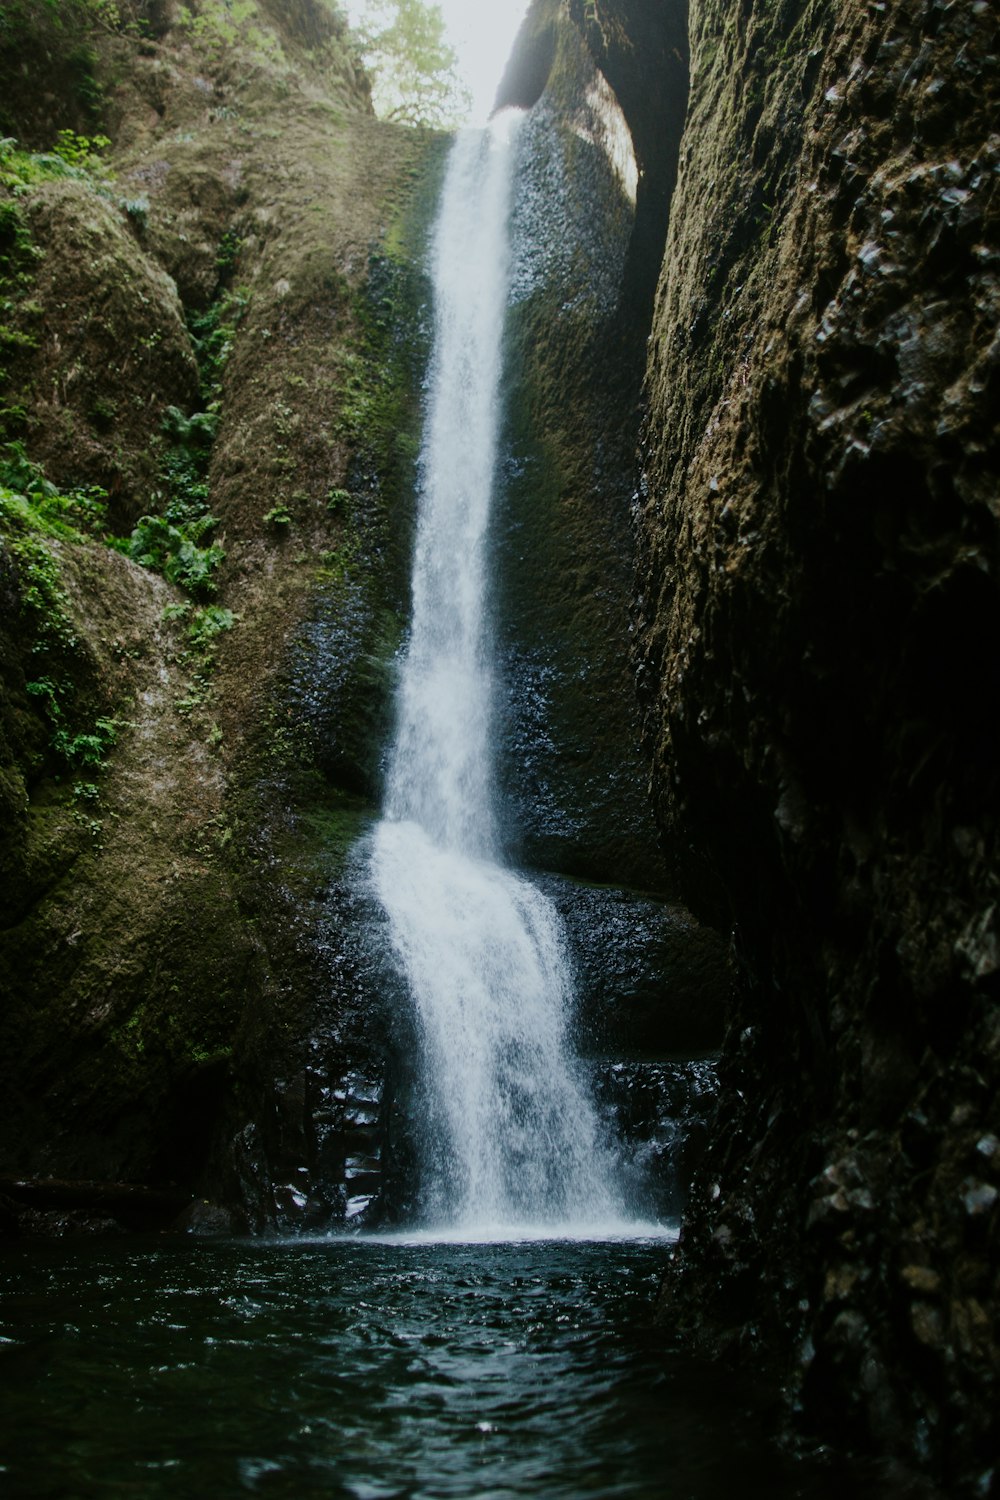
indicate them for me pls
(207, 623)
(103, 413)
(27, 497)
(175, 552)
(175, 611)
(228, 254)
(198, 689)
(16, 244)
(337, 501)
(89, 748)
(44, 602)
(196, 432)
(51, 694)
(212, 333)
(136, 210)
(81, 151)
(93, 826)
(278, 518)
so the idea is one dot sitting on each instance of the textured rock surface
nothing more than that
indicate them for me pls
(649, 981)
(173, 920)
(570, 764)
(815, 649)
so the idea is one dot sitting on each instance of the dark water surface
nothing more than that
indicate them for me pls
(363, 1369)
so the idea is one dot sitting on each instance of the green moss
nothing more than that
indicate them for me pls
(35, 519)
(327, 827)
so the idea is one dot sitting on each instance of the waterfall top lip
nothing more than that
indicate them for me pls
(504, 122)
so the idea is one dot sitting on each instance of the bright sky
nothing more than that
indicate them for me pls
(482, 32)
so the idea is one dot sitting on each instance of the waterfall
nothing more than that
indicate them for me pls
(510, 1136)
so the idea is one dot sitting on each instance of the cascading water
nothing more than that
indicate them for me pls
(512, 1138)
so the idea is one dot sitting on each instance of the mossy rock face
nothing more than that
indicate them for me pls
(818, 536)
(179, 924)
(120, 353)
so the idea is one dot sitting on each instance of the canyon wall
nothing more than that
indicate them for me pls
(816, 608)
(212, 354)
(219, 339)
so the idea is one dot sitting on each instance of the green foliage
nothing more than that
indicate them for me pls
(335, 564)
(212, 333)
(18, 258)
(183, 486)
(413, 67)
(174, 551)
(34, 515)
(207, 623)
(81, 151)
(228, 254)
(44, 604)
(196, 431)
(37, 505)
(88, 749)
(220, 23)
(278, 518)
(17, 252)
(51, 694)
(172, 542)
(76, 156)
(337, 501)
(136, 210)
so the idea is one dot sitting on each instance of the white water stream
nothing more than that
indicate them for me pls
(511, 1139)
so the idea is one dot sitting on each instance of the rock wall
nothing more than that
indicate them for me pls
(815, 623)
(217, 323)
(571, 771)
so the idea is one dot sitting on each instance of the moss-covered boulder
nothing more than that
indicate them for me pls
(227, 304)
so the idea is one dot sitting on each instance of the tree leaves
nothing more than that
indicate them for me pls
(413, 66)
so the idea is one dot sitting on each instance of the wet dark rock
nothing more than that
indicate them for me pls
(817, 576)
(657, 1114)
(572, 784)
(50, 1206)
(204, 1218)
(649, 979)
